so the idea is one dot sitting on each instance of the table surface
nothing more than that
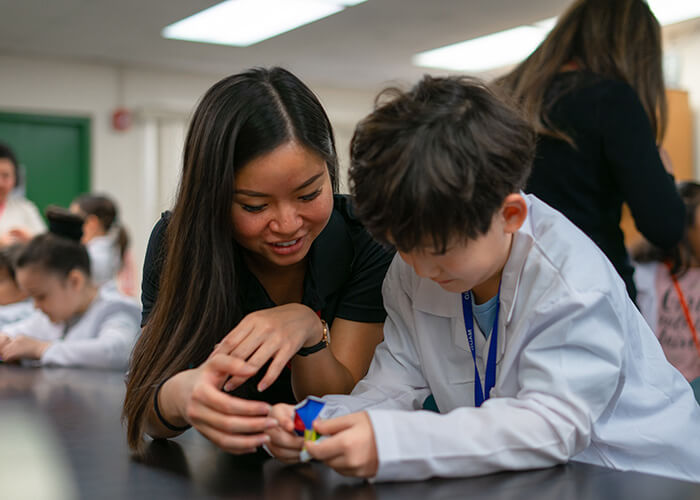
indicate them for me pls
(83, 410)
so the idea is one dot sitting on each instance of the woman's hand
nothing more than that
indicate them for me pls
(194, 396)
(22, 347)
(273, 334)
(284, 444)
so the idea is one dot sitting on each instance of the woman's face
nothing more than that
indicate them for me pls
(8, 179)
(282, 201)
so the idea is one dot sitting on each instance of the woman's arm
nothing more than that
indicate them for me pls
(343, 363)
(637, 167)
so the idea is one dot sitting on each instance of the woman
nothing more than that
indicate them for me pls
(258, 265)
(19, 217)
(594, 90)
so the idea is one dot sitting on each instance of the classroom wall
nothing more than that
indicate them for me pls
(682, 53)
(139, 167)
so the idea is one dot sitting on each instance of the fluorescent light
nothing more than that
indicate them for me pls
(487, 52)
(512, 46)
(245, 22)
(674, 11)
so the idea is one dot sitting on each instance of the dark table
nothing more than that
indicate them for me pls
(83, 407)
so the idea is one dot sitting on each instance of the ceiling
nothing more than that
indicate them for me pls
(363, 47)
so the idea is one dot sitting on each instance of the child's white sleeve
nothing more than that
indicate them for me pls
(37, 326)
(645, 281)
(109, 349)
(394, 379)
(567, 375)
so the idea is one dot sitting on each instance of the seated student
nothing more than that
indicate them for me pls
(491, 286)
(107, 242)
(104, 239)
(77, 324)
(668, 286)
(15, 303)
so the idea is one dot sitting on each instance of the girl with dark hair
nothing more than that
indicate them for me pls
(75, 324)
(19, 217)
(669, 289)
(594, 91)
(256, 268)
(104, 237)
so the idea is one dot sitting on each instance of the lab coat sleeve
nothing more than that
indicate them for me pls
(568, 373)
(109, 349)
(394, 379)
(36, 326)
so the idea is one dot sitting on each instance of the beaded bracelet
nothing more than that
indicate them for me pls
(160, 416)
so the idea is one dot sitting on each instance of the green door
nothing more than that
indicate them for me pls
(53, 152)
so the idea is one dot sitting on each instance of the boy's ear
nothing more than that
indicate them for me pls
(76, 279)
(514, 212)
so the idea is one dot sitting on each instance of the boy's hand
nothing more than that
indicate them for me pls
(349, 446)
(22, 347)
(284, 444)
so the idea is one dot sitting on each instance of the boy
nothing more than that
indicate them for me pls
(494, 298)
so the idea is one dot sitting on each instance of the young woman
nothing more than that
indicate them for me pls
(257, 267)
(75, 324)
(594, 90)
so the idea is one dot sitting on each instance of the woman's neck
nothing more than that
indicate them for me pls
(284, 284)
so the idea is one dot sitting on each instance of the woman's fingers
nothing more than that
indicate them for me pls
(233, 443)
(227, 423)
(212, 397)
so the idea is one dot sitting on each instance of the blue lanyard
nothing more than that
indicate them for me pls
(491, 363)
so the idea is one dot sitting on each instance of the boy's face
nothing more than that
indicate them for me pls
(466, 265)
(9, 291)
(57, 297)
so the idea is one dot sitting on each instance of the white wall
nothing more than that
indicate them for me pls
(138, 167)
(682, 45)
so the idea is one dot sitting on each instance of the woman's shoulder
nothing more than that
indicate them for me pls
(585, 85)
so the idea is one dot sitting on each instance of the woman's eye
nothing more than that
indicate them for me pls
(311, 196)
(253, 208)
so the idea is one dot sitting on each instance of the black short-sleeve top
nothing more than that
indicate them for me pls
(344, 277)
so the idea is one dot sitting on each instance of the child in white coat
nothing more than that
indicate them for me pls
(499, 307)
(77, 324)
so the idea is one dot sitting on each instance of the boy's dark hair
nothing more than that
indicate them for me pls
(437, 162)
(59, 251)
(8, 259)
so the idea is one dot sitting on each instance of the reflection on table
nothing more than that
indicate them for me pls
(82, 409)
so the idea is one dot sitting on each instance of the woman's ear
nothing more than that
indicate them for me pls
(514, 212)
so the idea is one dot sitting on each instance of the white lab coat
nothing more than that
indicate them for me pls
(19, 212)
(17, 311)
(105, 260)
(101, 338)
(579, 373)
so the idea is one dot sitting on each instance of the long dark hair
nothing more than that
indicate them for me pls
(681, 256)
(238, 119)
(618, 39)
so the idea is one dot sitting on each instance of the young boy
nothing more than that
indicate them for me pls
(494, 297)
